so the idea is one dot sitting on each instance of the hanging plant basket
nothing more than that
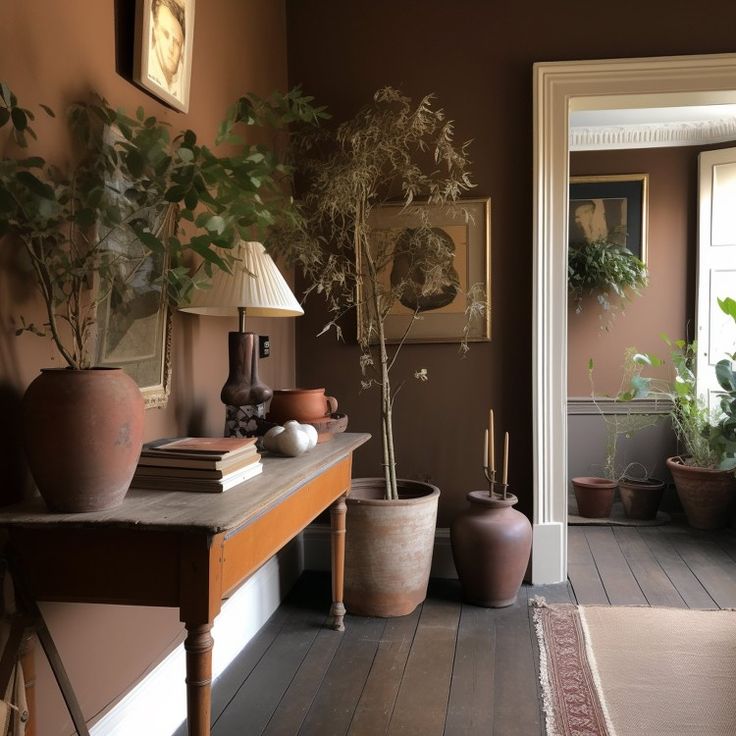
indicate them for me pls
(606, 270)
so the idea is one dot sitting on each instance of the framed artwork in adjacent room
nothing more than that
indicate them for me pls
(163, 49)
(442, 317)
(612, 208)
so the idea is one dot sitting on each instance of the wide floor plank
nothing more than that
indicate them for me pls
(376, 704)
(682, 577)
(616, 576)
(653, 581)
(582, 571)
(421, 703)
(470, 708)
(517, 706)
(334, 705)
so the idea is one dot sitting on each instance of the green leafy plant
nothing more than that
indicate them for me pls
(391, 149)
(606, 270)
(621, 423)
(127, 176)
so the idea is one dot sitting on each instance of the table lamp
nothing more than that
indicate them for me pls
(255, 288)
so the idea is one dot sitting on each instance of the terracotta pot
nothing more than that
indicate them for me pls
(491, 543)
(82, 431)
(594, 496)
(706, 495)
(302, 404)
(641, 498)
(388, 547)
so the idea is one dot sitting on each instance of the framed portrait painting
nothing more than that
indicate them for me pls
(163, 49)
(612, 208)
(465, 232)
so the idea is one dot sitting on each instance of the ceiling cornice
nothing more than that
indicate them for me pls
(652, 135)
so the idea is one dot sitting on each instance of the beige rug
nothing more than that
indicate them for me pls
(636, 671)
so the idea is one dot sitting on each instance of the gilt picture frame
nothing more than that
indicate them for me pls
(163, 49)
(614, 207)
(468, 229)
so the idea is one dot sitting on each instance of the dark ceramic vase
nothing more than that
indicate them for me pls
(82, 432)
(491, 543)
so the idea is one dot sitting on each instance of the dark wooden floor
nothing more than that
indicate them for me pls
(451, 668)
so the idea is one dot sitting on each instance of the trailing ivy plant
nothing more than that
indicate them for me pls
(393, 149)
(127, 174)
(606, 270)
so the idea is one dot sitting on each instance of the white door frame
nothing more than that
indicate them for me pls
(558, 88)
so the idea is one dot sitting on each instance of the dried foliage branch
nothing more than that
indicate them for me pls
(391, 150)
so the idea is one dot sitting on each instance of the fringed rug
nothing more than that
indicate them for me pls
(636, 671)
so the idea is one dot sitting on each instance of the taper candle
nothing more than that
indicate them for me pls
(485, 450)
(506, 459)
(492, 441)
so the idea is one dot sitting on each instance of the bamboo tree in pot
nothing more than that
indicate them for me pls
(391, 148)
(83, 426)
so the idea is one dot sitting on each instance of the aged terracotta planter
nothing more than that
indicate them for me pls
(706, 495)
(641, 498)
(388, 547)
(82, 432)
(594, 496)
(491, 543)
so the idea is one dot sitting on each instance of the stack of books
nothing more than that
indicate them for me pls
(199, 464)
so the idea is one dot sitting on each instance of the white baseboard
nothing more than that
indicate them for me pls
(156, 706)
(317, 551)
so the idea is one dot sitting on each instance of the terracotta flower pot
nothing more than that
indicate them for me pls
(388, 547)
(641, 498)
(491, 542)
(706, 495)
(594, 496)
(82, 432)
(302, 404)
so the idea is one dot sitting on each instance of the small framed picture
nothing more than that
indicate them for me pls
(611, 208)
(163, 52)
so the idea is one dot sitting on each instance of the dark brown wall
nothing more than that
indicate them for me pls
(55, 52)
(477, 56)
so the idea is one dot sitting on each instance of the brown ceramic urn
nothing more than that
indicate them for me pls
(491, 543)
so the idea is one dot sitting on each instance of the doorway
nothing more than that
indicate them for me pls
(560, 87)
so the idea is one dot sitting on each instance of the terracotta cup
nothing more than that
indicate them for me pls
(302, 404)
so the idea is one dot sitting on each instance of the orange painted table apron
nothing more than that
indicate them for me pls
(185, 550)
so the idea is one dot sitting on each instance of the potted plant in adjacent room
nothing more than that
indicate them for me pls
(390, 149)
(640, 494)
(72, 226)
(606, 270)
(704, 472)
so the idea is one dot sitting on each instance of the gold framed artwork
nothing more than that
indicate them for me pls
(163, 49)
(465, 230)
(613, 207)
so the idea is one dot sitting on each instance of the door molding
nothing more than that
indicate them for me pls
(558, 88)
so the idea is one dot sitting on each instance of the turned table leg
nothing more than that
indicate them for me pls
(337, 544)
(198, 646)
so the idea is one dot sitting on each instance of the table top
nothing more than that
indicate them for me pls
(198, 512)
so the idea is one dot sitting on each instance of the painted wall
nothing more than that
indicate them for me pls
(57, 52)
(477, 57)
(667, 304)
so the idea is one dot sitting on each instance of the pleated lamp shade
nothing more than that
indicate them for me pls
(255, 283)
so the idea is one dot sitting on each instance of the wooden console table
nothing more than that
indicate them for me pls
(185, 550)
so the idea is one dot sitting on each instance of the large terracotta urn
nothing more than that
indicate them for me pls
(388, 546)
(82, 432)
(491, 544)
(706, 494)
